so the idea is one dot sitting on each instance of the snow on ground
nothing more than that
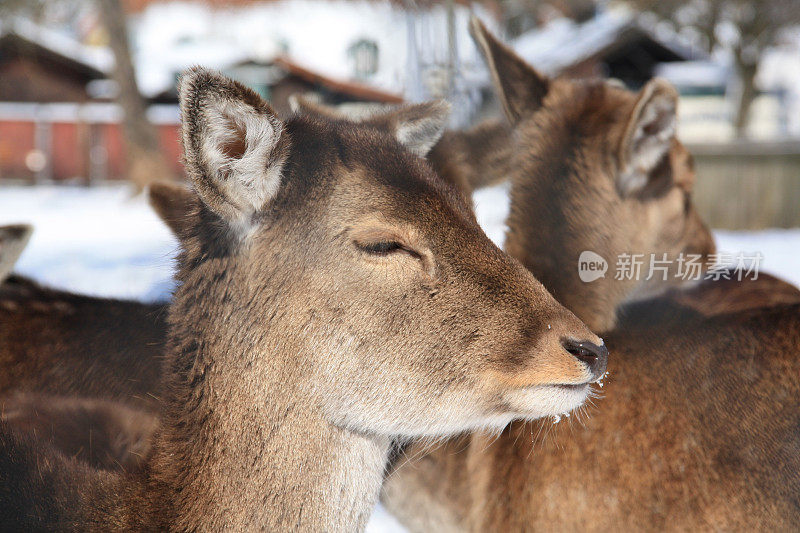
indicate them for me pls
(100, 241)
(104, 241)
(780, 248)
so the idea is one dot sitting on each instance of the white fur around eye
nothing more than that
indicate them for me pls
(249, 181)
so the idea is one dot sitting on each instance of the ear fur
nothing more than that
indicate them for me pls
(648, 135)
(309, 104)
(13, 239)
(418, 127)
(234, 147)
(520, 88)
(175, 204)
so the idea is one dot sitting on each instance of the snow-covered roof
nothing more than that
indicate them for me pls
(61, 44)
(563, 43)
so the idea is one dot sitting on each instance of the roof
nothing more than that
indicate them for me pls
(357, 90)
(93, 62)
(563, 43)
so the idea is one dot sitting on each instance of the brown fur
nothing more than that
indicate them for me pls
(467, 159)
(315, 320)
(698, 428)
(730, 294)
(595, 167)
(708, 442)
(60, 343)
(105, 434)
(564, 187)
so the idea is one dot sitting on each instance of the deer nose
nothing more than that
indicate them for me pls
(595, 356)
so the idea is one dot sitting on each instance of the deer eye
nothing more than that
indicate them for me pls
(380, 247)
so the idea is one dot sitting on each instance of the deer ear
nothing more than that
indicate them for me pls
(647, 136)
(418, 127)
(13, 240)
(233, 142)
(520, 88)
(176, 205)
(308, 104)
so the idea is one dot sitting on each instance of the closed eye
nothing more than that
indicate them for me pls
(380, 247)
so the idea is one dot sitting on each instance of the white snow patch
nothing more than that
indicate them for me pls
(100, 241)
(779, 248)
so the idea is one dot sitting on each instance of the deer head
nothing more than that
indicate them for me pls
(332, 259)
(596, 168)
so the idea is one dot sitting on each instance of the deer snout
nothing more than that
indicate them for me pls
(594, 356)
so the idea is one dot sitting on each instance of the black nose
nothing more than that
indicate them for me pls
(596, 357)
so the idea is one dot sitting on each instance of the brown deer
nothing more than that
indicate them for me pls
(13, 239)
(320, 314)
(60, 343)
(109, 435)
(699, 423)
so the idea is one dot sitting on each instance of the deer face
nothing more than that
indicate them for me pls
(598, 168)
(340, 262)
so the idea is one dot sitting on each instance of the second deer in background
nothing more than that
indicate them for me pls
(696, 411)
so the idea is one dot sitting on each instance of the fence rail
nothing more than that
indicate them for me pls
(748, 184)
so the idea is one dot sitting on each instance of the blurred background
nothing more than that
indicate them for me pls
(89, 114)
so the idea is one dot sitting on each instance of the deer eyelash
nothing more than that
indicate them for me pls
(381, 247)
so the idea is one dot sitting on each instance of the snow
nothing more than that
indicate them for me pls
(695, 74)
(99, 241)
(778, 246)
(106, 242)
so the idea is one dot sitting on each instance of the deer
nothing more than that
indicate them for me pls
(59, 343)
(105, 434)
(319, 315)
(78, 372)
(700, 410)
(489, 162)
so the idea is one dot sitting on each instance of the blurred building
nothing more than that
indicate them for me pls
(57, 116)
(614, 43)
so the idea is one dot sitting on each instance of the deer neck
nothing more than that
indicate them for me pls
(543, 217)
(245, 444)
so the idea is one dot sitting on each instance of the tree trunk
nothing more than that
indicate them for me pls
(145, 161)
(746, 72)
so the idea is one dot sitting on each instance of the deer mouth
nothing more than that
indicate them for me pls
(545, 400)
(571, 386)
